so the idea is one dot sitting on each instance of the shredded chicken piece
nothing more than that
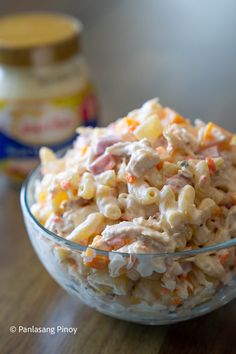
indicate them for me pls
(142, 156)
(141, 161)
(134, 230)
(180, 138)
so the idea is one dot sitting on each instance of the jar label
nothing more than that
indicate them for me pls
(26, 125)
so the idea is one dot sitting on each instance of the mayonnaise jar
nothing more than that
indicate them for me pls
(45, 88)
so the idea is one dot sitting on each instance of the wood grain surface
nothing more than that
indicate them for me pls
(30, 297)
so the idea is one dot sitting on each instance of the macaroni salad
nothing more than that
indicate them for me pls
(149, 183)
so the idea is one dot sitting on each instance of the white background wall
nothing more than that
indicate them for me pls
(183, 51)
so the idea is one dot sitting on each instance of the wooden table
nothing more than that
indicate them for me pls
(29, 296)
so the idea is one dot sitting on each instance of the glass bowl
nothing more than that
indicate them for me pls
(130, 286)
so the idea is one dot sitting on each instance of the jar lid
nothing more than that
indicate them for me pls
(30, 39)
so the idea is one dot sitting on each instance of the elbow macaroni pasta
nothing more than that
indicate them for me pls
(92, 224)
(149, 184)
(107, 178)
(143, 192)
(107, 202)
(87, 189)
(152, 166)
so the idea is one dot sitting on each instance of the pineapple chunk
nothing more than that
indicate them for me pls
(57, 199)
(150, 129)
(62, 253)
(42, 197)
(47, 155)
(233, 140)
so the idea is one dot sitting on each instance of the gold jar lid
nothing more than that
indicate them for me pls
(30, 39)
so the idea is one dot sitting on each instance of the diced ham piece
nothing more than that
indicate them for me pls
(103, 142)
(177, 182)
(210, 152)
(102, 163)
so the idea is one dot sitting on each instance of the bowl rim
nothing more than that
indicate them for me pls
(78, 247)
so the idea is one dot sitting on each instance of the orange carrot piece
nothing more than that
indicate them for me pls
(223, 258)
(130, 178)
(176, 301)
(211, 166)
(178, 120)
(169, 116)
(160, 165)
(94, 260)
(65, 185)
